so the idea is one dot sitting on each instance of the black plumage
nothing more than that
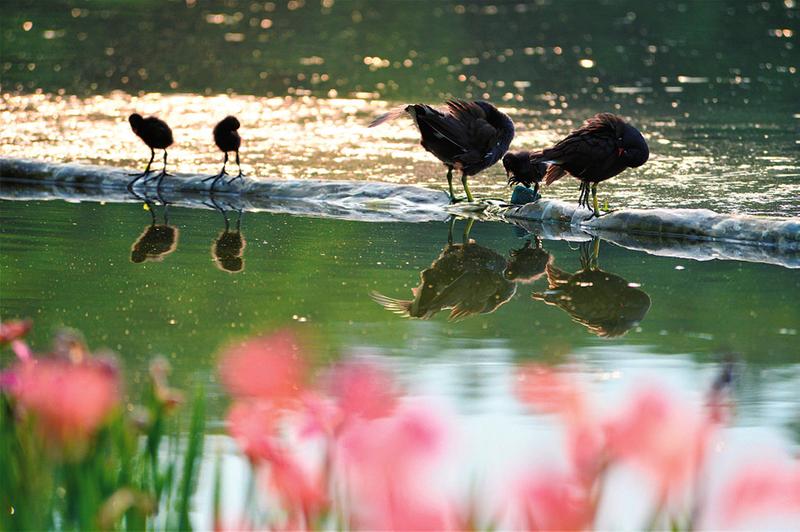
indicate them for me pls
(227, 139)
(157, 135)
(521, 170)
(603, 147)
(466, 136)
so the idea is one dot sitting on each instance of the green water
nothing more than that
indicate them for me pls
(71, 265)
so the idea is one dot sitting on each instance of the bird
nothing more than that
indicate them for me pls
(157, 240)
(466, 136)
(465, 278)
(603, 147)
(528, 263)
(605, 303)
(228, 247)
(157, 135)
(521, 170)
(227, 139)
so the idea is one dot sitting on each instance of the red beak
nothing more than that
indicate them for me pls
(620, 151)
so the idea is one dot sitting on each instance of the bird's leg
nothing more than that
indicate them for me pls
(146, 171)
(467, 229)
(580, 196)
(219, 175)
(594, 201)
(450, 184)
(240, 175)
(450, 230)
(466, 187)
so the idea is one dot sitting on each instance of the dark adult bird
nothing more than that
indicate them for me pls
(157, 135)
(227, 139)
(603, 147)
(521, 170)
(466, 136)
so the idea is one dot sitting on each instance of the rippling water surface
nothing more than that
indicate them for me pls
(719, 108)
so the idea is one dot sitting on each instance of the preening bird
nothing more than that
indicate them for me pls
(227, 139)
(157, 135)
(603, 147)
(466, 136)
(520, 169)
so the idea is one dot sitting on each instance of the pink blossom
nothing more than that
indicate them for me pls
(663, 437)
(253, 424)
(385, 462)
(362, 389)
(554, 501)
(267, 367)
(13, 330)
(69, 401)
(550, 391)
(762, 488)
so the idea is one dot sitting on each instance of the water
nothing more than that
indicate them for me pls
(713, 86)
(72, 265)
(719, 108)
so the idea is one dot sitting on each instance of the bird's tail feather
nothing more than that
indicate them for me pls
(553, 174)
(398, 306)
(397, 112)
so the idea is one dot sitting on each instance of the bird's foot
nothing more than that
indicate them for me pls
(454, 200)
(140, 174)
(215, 176)
(240, 176)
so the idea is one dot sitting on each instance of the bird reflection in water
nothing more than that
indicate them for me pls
(528, 263)
(157, 240)
(228, 247)
(604, 303)
(466, 278)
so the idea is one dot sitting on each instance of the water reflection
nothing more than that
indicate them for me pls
(228, 248)
(466, 278)
(606, 304)
(157, 240)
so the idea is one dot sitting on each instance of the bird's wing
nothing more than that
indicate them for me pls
(479, 134)
(596, 139)
(159, 130)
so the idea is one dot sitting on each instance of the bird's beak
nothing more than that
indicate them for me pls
(620, 152)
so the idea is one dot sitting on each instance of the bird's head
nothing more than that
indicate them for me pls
(135, 120)
(513, 162)
(632, 147)
(230, 123)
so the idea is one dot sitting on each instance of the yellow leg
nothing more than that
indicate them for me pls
(466, 188)
(594, 200)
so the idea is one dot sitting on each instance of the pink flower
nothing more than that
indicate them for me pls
(554, 501)
(550, 391)
(253, 424)
(70, 401)
(13, 330)
(270, 367)
(666, 439)
(762, 489)
(384, 465)
(362, 389)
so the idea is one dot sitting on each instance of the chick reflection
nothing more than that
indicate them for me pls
(604, 303)
(228, 247)
(466, 278)
(157, 240)
(528, 263)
